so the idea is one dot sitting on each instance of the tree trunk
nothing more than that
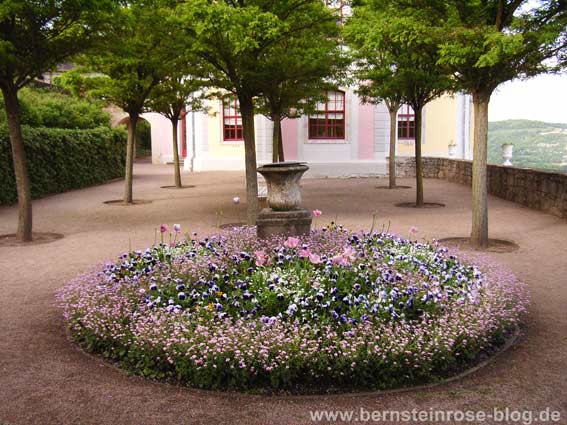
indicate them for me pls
(176, 166)
(281, 145)
(479, 232)
(128, 199)
(418, 162)
(247, 112)
(276, 141)
(23, 186)
(393, 133)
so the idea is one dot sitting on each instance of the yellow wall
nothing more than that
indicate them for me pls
(217, 147)
(440, 128)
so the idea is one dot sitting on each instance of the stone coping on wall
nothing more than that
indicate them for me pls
(538, 189)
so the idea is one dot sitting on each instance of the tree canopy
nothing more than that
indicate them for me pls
(37, 36)
(491, 42)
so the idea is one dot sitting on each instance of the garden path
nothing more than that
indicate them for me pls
(45, 380)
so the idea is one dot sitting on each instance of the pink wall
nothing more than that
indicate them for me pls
(366, 131)
(289, 134)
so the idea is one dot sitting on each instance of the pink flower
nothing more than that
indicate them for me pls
(163, 228)
(413, 229)
(177, 228)
(349, 253)
(236, 200)
(261, 258)
(317, 213)
(346, 258)
(304, 253)
(292, 242)
(340, 260)
(314, 258)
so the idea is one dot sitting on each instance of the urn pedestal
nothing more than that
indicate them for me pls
(290, 223)
(507, 154)
(283, 216)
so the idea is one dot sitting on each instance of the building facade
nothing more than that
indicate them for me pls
(343, 138)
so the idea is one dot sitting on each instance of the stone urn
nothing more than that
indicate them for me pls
(452, 150)
(282, 179)
(507, 153)
(283, 216)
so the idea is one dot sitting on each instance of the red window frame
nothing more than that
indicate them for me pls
(329, 122)
(406, 123)
(232, 129)
(336, 5)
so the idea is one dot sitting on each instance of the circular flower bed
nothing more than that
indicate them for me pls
(328, 311)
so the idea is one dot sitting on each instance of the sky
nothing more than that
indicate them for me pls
(542, 98)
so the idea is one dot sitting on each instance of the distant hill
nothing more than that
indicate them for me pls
(537, 144)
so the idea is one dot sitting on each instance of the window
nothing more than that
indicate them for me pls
(328, 122)
(339, 6)
(232, 121)
(406, 123)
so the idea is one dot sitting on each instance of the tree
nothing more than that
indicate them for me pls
(34, 38)
(129, 65)
(297, 73)
(393, 104)
(171, 98)
(379, 82)
(486, 44)
(286, 99)
(400, 55)
(236, 39)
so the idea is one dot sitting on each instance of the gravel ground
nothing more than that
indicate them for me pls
(45, 380)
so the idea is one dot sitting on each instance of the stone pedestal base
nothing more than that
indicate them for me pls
(291, 223)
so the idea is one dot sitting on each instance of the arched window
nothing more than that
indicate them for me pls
(232, 121)
(328, 122)
(406, 123)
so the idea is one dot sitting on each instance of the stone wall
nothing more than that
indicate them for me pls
(541, 190)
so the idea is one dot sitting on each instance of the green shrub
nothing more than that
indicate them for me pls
(53, 109)
(63, 159)
(143, 139)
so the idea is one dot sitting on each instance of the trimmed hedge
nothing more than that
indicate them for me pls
(61, 159)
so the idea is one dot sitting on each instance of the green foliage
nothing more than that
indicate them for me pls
(488, 43)
(35, 36)
(134, 56)
(61, 159)
(396, 51)
(300, 67)
(176, 92)
(48, 108)
(80, 82)
(537, 144)
(143, 139)
(247, 42)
